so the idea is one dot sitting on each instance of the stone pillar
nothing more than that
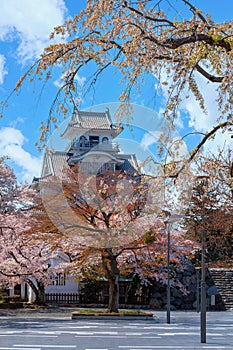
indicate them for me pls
(11, 291)
(31, 295)
(22, 292)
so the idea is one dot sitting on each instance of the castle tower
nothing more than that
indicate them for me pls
(91, 137)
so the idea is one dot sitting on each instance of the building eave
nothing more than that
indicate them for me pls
(96, 153)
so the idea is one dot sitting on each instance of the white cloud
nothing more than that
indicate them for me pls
(80, 81)
(16, 121)
(175, 146)
(221, 141)
(150, 138)
(202, 122)
(197, 119)
(3, 71)
(30, 22)
(11, 145)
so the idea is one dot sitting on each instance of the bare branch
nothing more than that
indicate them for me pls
(153, 19)
(196, 11)
(209, 76)
(207, 136)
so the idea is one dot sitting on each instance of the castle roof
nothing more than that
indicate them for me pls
(85, 120)
(53, 163)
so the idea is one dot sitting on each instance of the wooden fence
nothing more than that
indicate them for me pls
(62, 298)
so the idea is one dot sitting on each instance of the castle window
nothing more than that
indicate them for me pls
(94, 140)
(83, 141)
(58, 279)
(105, 139)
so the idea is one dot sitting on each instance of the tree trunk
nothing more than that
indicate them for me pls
(109, 262)
(41, 293)
(39, 290)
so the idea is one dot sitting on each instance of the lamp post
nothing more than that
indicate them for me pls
(198, 289)
(169, 220)
(168, 273)
(204, 183)
(203, 290)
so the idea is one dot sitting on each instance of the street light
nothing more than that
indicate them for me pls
(168, 273)
(198, 289)
(204, 180)
(203, 289)
(169, 220)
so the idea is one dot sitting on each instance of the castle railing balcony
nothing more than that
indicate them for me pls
(94, 167)
(108, 147)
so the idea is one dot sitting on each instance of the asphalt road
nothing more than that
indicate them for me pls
(48, 332)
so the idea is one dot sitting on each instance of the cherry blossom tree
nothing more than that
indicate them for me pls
(110, 224)
(141, 39)
(144, 258)
(25, 250)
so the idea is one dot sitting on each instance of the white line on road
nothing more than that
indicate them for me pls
(102, 336)
(80, 327)
(87, 333)
(77, 333)
(46, 346)
(106, 332)
(151, 337)
(20, 348)
(28, 335)
(179, 333)
(174, 347)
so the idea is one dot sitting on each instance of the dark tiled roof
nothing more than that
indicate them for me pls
(94, 120)
(86, 121)
(53, 163)
(126, 166)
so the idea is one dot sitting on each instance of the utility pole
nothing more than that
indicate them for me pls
(168, 274)
(170, 218)
(204, 183)
(203, 290)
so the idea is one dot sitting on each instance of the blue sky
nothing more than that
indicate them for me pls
(25, 26)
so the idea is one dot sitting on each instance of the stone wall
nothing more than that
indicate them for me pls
(189, 277)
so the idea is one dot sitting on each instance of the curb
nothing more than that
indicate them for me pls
(77, 316)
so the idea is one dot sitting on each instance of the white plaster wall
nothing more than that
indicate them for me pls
(71, 286)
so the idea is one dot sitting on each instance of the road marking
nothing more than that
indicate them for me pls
(28, 335)
(20, 348)
(77, 333)
(219, 339)
(87, 333)
(102, 336)
(152, 337)
(46, 346)
(80, 327)
(150, 347)
(178, 333)
(106, 332)
(217, 347)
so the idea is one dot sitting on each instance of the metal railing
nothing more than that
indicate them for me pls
(62, 298)
(97, 146)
